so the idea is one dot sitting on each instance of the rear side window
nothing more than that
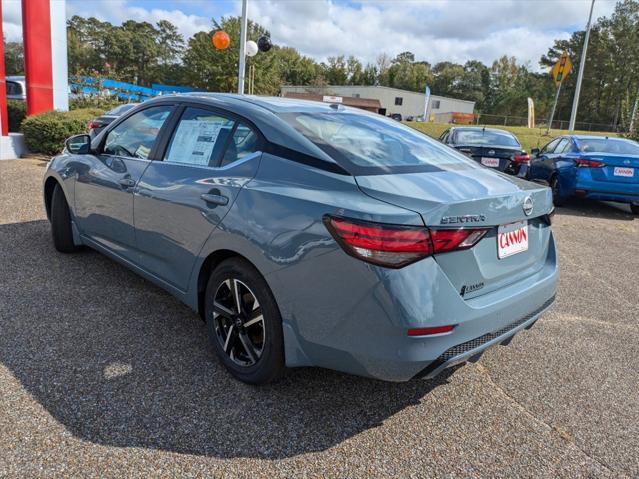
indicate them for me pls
(244, 142)
(14, 88)
(135, 136)
(550, 147)
(370, 144)
(563, 144)
(199, 138)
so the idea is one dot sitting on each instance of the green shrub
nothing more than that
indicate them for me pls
(17, 110)
(45, 133)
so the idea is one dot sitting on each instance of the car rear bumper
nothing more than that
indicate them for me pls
(473, 349)
(356, 320)
(586, 186)
(604, 195)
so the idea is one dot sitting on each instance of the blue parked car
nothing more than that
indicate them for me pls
(309, 234)
(595, 167)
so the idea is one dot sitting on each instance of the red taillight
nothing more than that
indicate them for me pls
(448, 239)
(432, 330)
(522, 158)
(396, 246)
(94, 124)
(587, 163)
(466, 151)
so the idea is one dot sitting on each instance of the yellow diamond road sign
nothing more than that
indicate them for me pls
(561, 69)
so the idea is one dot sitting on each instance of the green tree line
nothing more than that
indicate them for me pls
(145, 53)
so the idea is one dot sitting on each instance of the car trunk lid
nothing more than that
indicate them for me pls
(617, 168)
(473, 198)
(487, 155)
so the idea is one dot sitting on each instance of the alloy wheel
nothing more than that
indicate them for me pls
(239, 323)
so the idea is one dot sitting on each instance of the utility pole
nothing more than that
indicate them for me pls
(580, 75)
(244, 26)
(633, 117)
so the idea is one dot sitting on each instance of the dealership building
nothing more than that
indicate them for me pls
(390, 100)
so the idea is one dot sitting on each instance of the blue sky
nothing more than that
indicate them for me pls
(435, 30)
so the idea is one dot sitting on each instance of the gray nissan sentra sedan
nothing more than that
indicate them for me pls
(309, 234)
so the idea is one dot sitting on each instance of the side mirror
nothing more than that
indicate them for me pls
(78, 144)
(534, 152)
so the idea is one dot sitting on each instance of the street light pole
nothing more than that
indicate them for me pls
(243, 28)
(580, 75)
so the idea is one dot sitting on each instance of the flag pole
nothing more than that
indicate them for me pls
(243, 28)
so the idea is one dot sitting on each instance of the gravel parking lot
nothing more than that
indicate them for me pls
(103, 374)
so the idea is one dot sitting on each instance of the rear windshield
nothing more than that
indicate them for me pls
(608, 145)
(120, 110)
(485, 137)
(371, 144)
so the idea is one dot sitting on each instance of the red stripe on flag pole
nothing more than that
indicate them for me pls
(4, 115)
(36, 31)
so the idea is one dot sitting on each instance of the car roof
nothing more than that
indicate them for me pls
(597, 137)
(482, 128)
(274, 104)
(262, 112)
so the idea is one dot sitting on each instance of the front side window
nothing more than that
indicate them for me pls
(371, 144)
(199, 138)
(135, 136)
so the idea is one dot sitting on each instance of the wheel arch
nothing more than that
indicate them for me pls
(208, 265)
(49, 185)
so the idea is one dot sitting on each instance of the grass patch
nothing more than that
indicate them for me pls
(528, 137)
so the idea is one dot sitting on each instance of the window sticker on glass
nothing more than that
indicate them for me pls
(194, 141)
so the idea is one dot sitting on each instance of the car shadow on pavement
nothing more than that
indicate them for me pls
(119, 362)
(596, 209)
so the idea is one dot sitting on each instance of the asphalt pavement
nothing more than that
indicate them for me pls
(102, 374)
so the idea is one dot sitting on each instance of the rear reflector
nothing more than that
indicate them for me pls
(396, 246)
(548, 218)
(433, 330)
(588, 163)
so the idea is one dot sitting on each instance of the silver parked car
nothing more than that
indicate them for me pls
(16, 88)
(308, 234)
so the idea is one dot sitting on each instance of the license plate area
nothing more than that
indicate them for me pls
(624, 171)
(512, 239)
(490, 162)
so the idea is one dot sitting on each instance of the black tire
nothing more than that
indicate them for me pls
(557, 199)
(261, 360)
(634, 208)
(61, 223)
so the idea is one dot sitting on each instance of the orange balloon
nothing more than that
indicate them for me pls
(221, 40)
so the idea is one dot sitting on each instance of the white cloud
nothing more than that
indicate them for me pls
(455, 30)
(436, 30)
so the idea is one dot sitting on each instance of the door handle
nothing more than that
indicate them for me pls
(127, 182)
(215, 199)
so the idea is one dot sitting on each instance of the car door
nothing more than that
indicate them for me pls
(208, 157)
(542, 165)
(104, 188)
